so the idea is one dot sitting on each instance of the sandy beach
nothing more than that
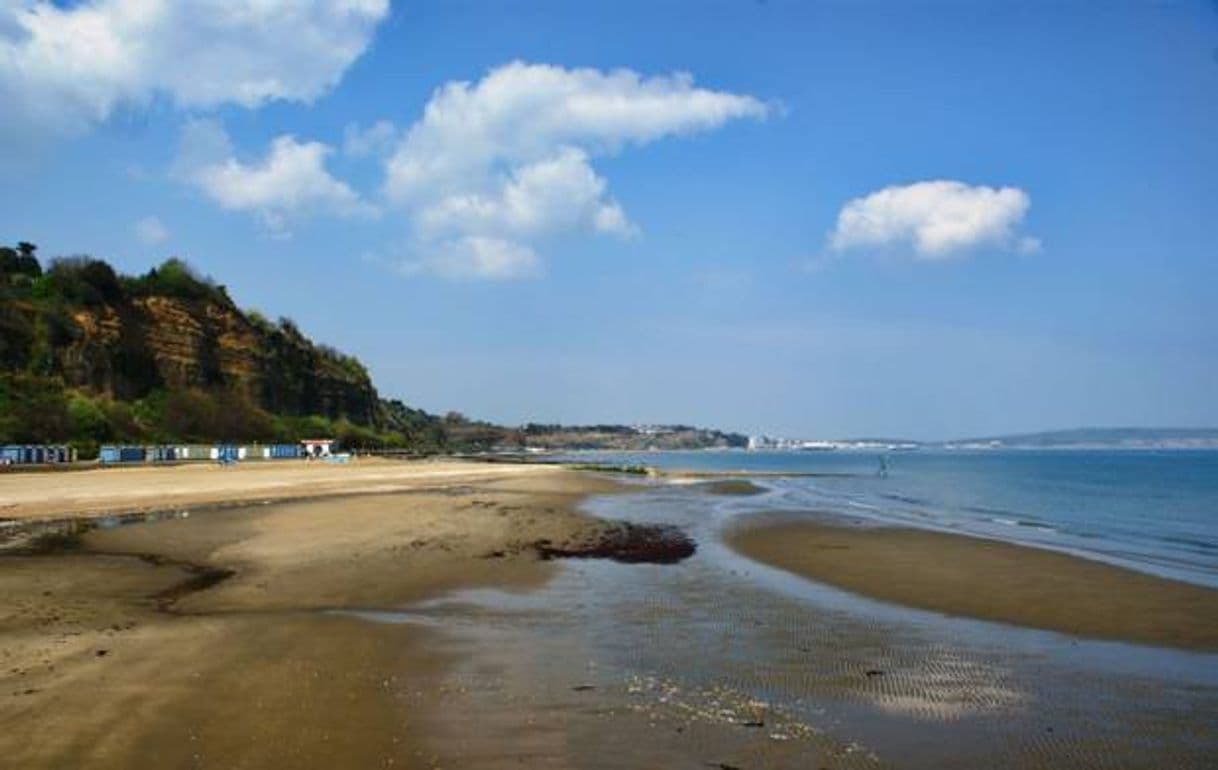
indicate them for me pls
(990, 580)
(101, 491)
(112, 658)
(436, 614)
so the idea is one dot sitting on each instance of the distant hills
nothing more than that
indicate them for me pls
(1116, 438)
(629, 437)
(1077, 438)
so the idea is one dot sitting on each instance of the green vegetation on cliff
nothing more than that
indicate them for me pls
(89, 356)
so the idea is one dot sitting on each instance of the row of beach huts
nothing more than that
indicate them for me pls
(42, 454)
(109, 455)
(30, 454)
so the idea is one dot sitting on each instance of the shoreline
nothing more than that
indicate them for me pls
(212, 638)
(990, 580)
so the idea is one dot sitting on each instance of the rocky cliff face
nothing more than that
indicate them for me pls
(205, 345)
(129, 348)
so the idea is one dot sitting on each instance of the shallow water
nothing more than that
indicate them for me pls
(1155, 511)
(720, 661)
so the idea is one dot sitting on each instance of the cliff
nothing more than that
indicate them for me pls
(147, 340)
(143, 344)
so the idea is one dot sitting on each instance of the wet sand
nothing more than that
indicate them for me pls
(713, 662)
(109, 660)
(990, 580)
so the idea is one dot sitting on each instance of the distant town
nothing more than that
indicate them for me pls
(769, 443)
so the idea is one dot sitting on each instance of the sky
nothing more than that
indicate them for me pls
(928, 220)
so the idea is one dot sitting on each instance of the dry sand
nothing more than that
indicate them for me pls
(991, 580)
(25, 495)
(107, 660)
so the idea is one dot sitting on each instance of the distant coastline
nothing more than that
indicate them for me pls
(1075, 438)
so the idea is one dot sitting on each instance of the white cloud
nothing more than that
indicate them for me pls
(289, 183)
(507, 160)
(476, 257)
(63, 69)
(379, 139)
(150, 231)
(556, 194)
(937, 219)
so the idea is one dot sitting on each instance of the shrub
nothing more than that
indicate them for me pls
(35, 408)
(178, 280)
(79, 280)
(87, 419)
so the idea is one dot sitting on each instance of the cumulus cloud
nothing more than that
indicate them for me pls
(289, 182)
(506, 163)
(63, 69)
(150, 231)
(938, 219)
(558, 193)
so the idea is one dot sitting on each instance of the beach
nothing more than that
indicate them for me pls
(102, 491)
(115, 656)
(461, 614)
(990, 580)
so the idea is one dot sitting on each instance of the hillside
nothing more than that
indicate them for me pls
(631, 438)
(88, 355)
(1129, 438)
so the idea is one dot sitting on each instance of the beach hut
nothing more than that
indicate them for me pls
(195, 452)
(284, 451)
(35, 454)
(317, 447)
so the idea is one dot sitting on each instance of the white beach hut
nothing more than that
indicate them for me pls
(317, 447)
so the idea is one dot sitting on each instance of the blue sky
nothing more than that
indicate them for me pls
(920, 219)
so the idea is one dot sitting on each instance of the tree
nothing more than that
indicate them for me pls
(8, 260)
(80, 279)
(101, 277)
(20, 261)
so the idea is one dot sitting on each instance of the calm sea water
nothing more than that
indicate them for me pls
(1156, 511)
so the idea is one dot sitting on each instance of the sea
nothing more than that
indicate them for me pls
(731, 663)
(1154, 511)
